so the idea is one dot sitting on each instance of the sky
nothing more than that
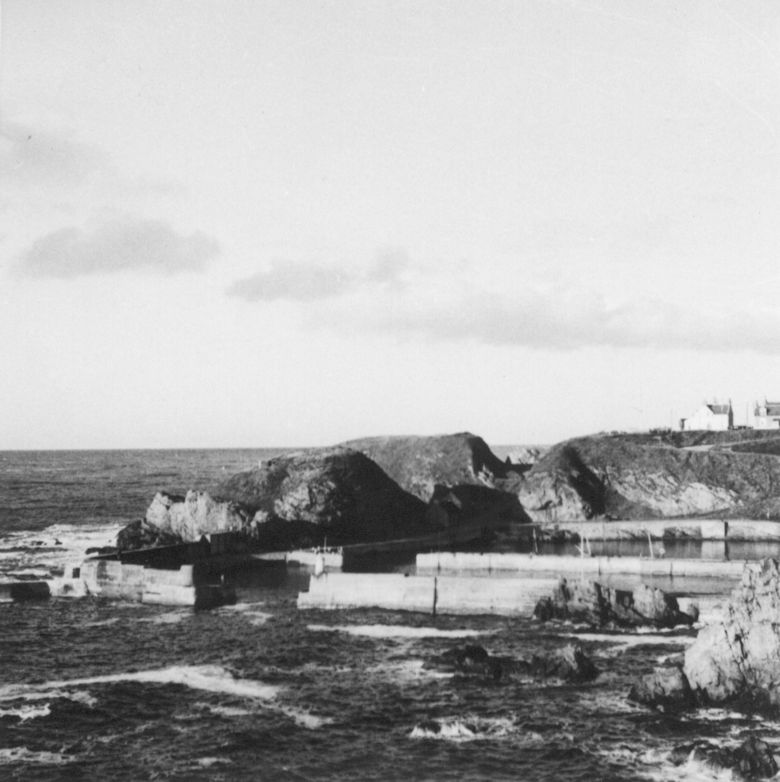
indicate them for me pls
(265, 223)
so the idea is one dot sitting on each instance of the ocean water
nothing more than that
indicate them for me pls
(93, 689)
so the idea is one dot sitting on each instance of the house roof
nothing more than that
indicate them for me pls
(720, 409)
(772, 408)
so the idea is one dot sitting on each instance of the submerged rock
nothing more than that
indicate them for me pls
(570, 664)
(753, 759)
(595, 604)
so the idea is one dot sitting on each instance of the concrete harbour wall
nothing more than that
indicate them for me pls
(426, 594)
(185, 586)
(444, 561)
(659, 529)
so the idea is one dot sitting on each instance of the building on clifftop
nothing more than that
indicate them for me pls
(710, 417)
(766, 415)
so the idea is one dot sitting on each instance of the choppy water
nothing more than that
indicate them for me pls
(99, 690)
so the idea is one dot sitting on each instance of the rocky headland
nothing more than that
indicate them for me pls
(663, 475)
(392, 487)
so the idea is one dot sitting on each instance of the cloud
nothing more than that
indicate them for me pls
(567, 320)
(306, 282)
(35, 156)
(116, 246)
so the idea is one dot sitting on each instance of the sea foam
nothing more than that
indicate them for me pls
(395, 631)
(472, 728)
(11, 755)
(207, 678)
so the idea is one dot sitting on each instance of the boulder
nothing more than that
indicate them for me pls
(753, 759)
(592, 603)
(737, 659)
(340, 494)
(666, 689)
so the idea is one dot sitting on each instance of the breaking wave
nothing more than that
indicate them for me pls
(473, 728)
(395, 631)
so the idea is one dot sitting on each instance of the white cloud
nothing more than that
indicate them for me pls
(31, 155)
(308, 282)
(116, 246)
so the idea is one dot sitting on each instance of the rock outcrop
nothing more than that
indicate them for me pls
(738, 659)
(735, 661)
(420, 464)
(570, 664)
(339, 494)
(652, 476)
(592, 603)
(174, 519)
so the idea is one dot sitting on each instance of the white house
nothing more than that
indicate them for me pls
(766, 415)
(713, 418)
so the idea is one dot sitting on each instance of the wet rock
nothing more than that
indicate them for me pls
(595, 604)
(140, 534)
(753, 759)
(666, 689)
(570, 663)
(737, 660)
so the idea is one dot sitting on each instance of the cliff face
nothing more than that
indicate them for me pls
(420, 464)
(300, 499)
(639, 476)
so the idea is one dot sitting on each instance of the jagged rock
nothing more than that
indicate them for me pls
(753, 759)
(665, 688)
(140, 534)
(339, 494)
(570, 663)
(195, 515)
(420, 464)
(738, 659)
(595, 604)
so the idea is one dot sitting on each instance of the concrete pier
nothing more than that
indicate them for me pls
(186, 586)
(426, 594)
(454, 562)
(18, 591)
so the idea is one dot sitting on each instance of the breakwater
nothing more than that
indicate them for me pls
(426, 594)
(447, 561)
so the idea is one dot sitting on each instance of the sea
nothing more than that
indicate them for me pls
(101, 690)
